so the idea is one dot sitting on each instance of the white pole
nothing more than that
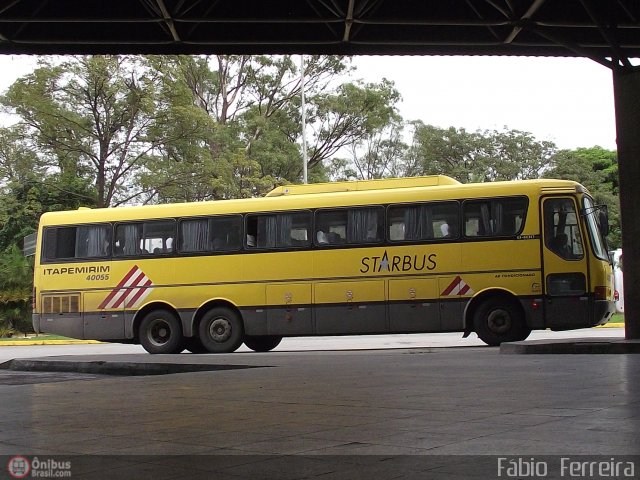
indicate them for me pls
(305, 159)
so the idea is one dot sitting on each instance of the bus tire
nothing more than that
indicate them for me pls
(498, 320)
(160, 332)
(262, 343)
(194, 345)
(221, 330)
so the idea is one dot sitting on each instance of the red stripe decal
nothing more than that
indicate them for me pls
(464, 289)
(450, 288)
(141, 290)
(118, 287)
(133, 286)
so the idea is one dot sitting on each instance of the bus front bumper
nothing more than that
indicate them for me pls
(603, 311)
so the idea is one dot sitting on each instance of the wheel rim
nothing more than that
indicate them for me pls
(220, 330)
(159, 332)
(499, 321)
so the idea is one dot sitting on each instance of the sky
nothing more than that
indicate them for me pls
(565, 100)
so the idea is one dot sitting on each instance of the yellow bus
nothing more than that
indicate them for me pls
(424, 254)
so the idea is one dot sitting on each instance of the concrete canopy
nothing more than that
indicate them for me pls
(598, 29)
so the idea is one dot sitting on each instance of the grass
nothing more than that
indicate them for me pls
(617, 318)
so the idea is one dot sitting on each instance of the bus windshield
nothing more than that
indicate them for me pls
(597, 241)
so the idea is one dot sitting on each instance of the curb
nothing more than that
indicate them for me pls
(102, 367)
(572, 346)
(19, 343)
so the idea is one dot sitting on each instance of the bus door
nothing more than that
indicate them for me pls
(564, 265)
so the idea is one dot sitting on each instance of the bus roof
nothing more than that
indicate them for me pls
(362, 185)
(433, 188)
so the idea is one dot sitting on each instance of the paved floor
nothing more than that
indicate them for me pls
(401, 413)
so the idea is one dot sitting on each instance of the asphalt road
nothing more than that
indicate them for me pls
(391, 406)
(299, 344)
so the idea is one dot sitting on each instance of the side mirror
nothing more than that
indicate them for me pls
(603, 222)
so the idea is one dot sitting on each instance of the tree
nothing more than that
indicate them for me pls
(479, 156)
(16, 275)
(18, 160)
(247, 115)
(453, 152)
(378, 155)
(89, 116)
(353, 116)
(250, 140)
(515, 155)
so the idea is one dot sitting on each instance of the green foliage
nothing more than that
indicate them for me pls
(477, 156)
(6, 332)
(515, 155)
(453, 152)
(23, 203)
(89, 118)
(378, 154)
(16, 273)
(243, 118)
(353, 115)
(19, 161)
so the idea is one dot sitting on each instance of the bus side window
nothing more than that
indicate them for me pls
(424, 221)
(445, 220)
(365, 225)
(279, 230)
(300, 229)
(158, 237)
(351, 225)
(193, 234)
(224, 233)
(82, 241)
(497, 217)
(331, 227)
(210, 234)
(128, 239)
(144, 238)
(93, 241)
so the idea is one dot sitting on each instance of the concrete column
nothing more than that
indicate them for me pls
(626, 86)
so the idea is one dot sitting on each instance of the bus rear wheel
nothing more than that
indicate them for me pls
(221, 330)
(500, 320)
(160, 333)
(262, 343)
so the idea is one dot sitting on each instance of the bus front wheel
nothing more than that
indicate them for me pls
(160, 332)
(221, 330)
(262, 343)
(500, 320)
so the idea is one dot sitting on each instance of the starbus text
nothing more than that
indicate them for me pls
(398, 263)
